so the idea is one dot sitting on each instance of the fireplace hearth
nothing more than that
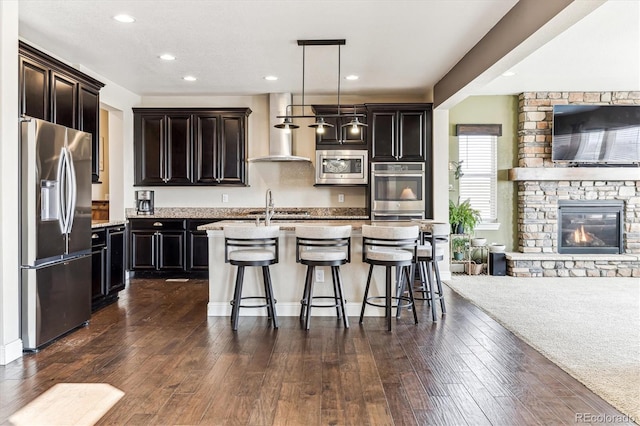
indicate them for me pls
(590, 227)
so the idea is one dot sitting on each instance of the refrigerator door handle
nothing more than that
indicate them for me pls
(72, 193)
(62, 220)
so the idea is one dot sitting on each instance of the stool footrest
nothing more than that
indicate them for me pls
(335, 305)
(266, 304)
(406, 299)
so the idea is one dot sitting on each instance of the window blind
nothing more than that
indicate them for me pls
(478, 183)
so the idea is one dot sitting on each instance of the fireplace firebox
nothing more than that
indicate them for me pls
(590, 227)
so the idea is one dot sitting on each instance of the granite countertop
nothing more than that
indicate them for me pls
(249, 213)
(106, 223)
(290, 225)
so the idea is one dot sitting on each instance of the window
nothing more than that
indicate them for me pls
(478, 158)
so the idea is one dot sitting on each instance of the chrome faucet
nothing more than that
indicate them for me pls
(268, 206)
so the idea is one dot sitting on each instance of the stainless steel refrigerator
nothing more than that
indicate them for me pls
(55, 227)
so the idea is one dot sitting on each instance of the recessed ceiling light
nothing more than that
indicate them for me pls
(126, 19)
(167, 57)
(189, 78)
(271, 78)
(508, 74)
(352, 77)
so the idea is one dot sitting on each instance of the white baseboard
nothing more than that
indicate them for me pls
(293, 310)
(10, 352)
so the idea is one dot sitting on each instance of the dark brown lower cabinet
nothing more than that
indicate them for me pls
(198, 245)
(168, 247)
(157, 245)
(108, 274)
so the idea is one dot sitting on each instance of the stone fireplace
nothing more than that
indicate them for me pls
(544, 188)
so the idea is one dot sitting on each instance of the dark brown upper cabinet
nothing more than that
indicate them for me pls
(400, 132)
(338, 135)
(190, 146)
(220, 147)
(53, 91)
(162, 149)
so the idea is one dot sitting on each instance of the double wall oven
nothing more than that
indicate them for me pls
(397, 191)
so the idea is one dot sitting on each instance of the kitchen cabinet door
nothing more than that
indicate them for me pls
(64, 95)
(143, 250)
(149, 150)
(171, 254)
(197, 245)
(232, 150)
(98, 262)
(411, 135)
(34, 89)
(88, 119)
(206, 140)
(116, 260)
(383, 136)
(177, 149)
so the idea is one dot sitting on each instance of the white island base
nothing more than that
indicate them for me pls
(288, 278)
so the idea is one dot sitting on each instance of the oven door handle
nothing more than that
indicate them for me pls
(397, 214)
(397, 174)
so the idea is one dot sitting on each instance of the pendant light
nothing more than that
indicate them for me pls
(286, 125)
(355, 124)
(320, 120)
(320, 125)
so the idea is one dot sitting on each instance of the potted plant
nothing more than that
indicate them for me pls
(462, 217)
(458, 245)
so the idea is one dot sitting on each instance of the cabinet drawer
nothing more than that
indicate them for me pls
(98, 237)
(157, 224)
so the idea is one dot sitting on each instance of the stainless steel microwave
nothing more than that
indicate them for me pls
(342, 167)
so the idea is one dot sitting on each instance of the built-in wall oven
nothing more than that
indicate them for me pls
(342, 167)
(397, 191)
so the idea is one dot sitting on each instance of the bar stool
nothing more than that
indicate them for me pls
(429, 254)
(389, 246)
(323, 246)
(252, 246)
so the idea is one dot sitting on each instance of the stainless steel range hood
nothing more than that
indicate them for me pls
(279, 141)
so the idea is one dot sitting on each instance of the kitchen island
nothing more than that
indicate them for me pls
(288, 276)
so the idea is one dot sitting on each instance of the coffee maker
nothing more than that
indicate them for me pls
(144, 202)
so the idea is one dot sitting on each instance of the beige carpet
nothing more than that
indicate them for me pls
(68, 404)
(590, 327)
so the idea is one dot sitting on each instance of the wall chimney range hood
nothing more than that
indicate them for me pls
(279, 142)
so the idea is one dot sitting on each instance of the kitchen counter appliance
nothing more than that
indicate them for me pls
(342, 167)
(397, 191)
(144, 202)
(55, 228)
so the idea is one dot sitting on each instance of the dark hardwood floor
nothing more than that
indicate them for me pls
(177, 366)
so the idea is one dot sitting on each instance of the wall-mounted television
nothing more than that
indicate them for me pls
(596, 134)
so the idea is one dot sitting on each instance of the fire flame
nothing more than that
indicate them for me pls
(579, 236)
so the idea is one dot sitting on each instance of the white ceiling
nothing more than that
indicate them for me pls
(397, 47)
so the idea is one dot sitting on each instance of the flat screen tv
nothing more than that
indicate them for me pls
(596, 134)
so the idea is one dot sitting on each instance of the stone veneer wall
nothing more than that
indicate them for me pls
(538, 200)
